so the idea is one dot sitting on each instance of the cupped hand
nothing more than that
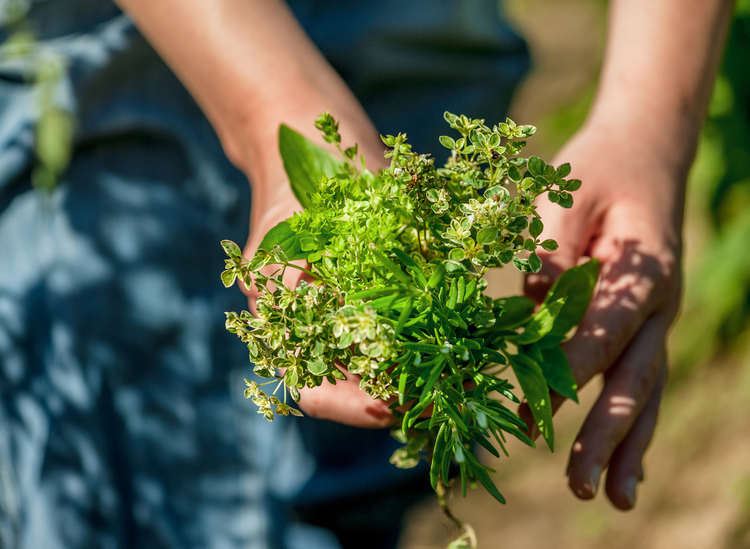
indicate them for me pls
(628, 214)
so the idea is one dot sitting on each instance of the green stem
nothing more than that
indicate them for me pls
(468, 533)
(312, 274)
(419, 242)
(468, 536)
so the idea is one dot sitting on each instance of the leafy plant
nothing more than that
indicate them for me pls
(398, 260)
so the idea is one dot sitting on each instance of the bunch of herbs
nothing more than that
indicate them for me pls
(398, 260)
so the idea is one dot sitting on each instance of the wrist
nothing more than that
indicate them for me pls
(665, 136)
(251, 141)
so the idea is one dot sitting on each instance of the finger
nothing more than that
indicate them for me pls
(345, 403)
(628, 386)
(626, 466)
(630, 290)
(623, 300)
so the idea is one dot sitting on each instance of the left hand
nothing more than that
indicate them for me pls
(628, 214)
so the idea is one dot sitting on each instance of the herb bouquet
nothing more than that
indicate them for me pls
(398, 260)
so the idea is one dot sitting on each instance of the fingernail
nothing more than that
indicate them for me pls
(596, 473)
(630, 487)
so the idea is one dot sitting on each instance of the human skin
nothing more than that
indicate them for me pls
(251, 67)
(633, 155)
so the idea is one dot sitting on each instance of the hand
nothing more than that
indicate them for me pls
(628, 214)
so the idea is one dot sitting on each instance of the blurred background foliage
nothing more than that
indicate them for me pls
(716, 309)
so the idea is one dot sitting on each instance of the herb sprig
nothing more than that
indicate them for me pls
(398, 260)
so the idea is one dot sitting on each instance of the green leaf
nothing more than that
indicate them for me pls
(452, 295)
(289, 241)
(535, 264)
(437, 369)
(317, 367)
(484, 443)
(484, 478)
(558, 373)
(392, 267)
(535, 227)
(450, 118)
(470, 287)
(518, 224)
(456, 254)
(572, 185)
(446, 461)
(487, 235)
(563, 170)
(231, 249)
(494, 356)
(447, 142)
(437, 277)
(405, 258)
(549, 245)
(565, 200)
(227, 277)
(577, 285)
(54, 132)
(464, 484)
(258, 262)
(404, 316)
(305, 163)
(516, 309)
(413, 414)
(411, 266)
(541, 322)
(536, 166)
(389, 301)
(534, 385)
(459, 453)
(422, 347)
(290, 377)
(437, 456)
(375, 292)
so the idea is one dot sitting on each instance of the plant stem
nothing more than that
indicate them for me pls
(468, 532)
(312, 274)
(419, 241)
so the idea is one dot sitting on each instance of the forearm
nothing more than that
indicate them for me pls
(659, 69)
(250, 67)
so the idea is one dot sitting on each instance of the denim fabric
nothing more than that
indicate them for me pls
(409, 62)
(122, 421)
